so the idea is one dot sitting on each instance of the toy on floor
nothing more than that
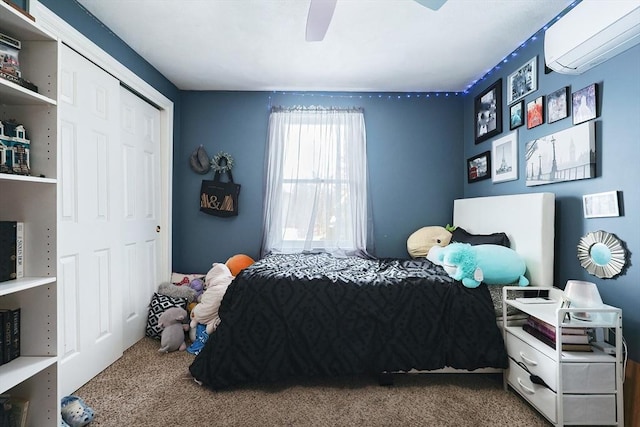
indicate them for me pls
(75, 413)
(491, 264)
(206, 311)
(173, 325)
(199, 339)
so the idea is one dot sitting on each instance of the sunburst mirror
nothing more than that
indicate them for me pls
(602, 254)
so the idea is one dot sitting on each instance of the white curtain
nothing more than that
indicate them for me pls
(316, 187)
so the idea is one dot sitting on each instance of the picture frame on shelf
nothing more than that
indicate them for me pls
(479, 167)
(488, 112)
(600, 205)
(535, 112)
(584, 104)
(523, 81)
(504, 153)
(558, 105)
(516, 115)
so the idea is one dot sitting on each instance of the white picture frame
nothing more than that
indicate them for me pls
(504, 153)
(599, 205)
(523, 81)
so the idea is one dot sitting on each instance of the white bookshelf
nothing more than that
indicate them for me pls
(32, 200)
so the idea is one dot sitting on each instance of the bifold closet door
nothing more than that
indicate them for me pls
(90, 222)
(141, 204)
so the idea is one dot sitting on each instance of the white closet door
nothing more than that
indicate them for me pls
(90, 222)
(140, 159)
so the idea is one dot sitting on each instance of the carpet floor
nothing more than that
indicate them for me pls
(147, 388)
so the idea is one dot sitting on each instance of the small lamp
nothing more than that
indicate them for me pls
(582, 295)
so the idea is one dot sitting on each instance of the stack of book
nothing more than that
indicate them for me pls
(573, 339)
(9, 334)
(13, 411)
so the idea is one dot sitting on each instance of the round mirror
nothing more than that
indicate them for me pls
(602, 254)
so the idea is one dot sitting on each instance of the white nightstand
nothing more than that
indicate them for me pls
(567, 387)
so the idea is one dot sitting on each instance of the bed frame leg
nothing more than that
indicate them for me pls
(385, 379)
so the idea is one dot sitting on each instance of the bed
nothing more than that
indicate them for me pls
(307, 315)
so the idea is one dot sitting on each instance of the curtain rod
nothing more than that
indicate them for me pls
(318, 108)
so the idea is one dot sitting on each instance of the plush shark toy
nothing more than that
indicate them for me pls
(491, 264)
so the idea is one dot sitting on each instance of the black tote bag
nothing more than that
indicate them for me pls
(219, 198)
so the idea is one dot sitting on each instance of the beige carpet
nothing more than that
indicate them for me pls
(146, 388)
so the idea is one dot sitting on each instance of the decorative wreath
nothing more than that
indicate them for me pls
(217, 167)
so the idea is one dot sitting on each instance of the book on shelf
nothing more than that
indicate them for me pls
(541, 336)
(10, 335)
(572, 335)
(11, 250)
(13, 411)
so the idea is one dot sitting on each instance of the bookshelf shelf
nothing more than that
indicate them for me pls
(578, 387)
(31, 199)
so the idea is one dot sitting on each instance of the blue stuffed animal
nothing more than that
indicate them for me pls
(491, 264)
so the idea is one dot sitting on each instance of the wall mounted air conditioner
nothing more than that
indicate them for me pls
(591, 33)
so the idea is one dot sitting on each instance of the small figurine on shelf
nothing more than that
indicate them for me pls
(14, 148)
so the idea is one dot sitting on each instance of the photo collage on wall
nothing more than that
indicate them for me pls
(565, 155)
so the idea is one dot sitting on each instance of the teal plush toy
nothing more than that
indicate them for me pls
(491, 264)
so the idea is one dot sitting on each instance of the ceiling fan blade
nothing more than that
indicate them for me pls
(432, 4)
(319, 18)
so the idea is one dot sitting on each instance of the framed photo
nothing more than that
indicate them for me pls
(516, 115)
(562, 156)
(523, 81)
(488, 112)
(584, 104)
(558, 105)
(479, 167)
(504, 158)
(535, 112)
(600, 205)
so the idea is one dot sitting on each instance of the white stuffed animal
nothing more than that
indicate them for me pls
(206, 311)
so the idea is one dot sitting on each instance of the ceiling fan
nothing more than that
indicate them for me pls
(321, 12)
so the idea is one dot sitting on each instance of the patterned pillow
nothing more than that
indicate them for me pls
(159, 303)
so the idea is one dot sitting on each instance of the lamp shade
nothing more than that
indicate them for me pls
(582, 295)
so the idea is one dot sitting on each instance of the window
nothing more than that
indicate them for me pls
(316, 181)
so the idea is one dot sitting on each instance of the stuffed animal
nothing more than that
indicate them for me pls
(238, 262)
(173, 323)
(420, 241)
(206, 311)
(491, 264)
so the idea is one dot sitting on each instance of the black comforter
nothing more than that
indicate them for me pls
(317, 315)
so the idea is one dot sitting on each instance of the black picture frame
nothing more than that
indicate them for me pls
(479, 167)
(585, 104)
(516, 115)
(523, 81)
(558, 105)
(488, 112)
(535, 112)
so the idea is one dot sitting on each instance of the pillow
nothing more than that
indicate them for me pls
(184, 279)
(159, 303)
(460, 235)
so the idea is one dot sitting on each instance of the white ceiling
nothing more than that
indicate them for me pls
(371, 45)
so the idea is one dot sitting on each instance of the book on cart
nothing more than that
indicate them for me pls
(551, 342)
(569, 335)
(11, 250)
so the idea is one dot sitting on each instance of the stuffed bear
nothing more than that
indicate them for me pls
(206, 311)
(173, 324)
(420, 241)
(491, 264)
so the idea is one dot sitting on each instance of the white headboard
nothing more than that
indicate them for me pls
(527, 219)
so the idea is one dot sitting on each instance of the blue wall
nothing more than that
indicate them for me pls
(410, 142)
(417, 150)
(617, 154)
